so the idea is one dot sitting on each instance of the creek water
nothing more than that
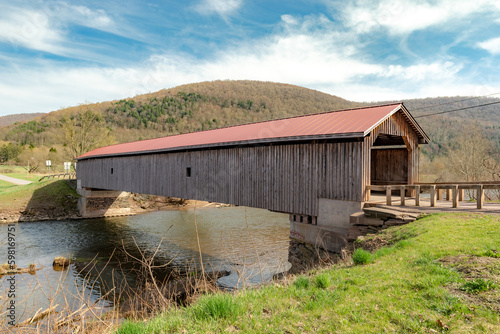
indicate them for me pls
(251, 244)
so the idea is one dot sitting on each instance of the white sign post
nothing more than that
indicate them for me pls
(67, 167)
(48, 163)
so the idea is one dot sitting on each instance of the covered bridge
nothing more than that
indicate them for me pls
(314, 167)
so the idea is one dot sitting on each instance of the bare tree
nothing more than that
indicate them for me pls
(84, 132)
(471, 156)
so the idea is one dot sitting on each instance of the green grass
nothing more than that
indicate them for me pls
(491, 253)
(19, 172)
(478, 285)
(4, 186)
(322, 281)
(407, 289)
(216, 307)
(302, 282)
(24, 176)
(57, 194)
(361, 256)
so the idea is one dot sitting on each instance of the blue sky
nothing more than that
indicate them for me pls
(56, 54)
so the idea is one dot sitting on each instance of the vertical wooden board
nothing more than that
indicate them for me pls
(290, 181)
(297, 163)
(336, 165)
(332, 171)
(284, 178)
(349, 187)
(342, 171)
(337, 169)
(309, 178)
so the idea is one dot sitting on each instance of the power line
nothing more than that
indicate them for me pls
(447, 111)
(446, 103)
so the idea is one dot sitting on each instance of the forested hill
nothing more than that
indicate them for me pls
(209, 105)
(182, 109)
(216, 104)
(17, 118)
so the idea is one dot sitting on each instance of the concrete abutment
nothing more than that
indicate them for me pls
(329, 230)
(95, 203)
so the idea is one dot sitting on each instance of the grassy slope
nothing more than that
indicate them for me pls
(406, 289)
(39, 197)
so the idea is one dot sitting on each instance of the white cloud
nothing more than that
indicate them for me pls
(289, 19)
(491, 45)
(87, 17)
(30, 29)
(220, 7)
(309, 52)
(426, 71)
(319, 59)
(44, 28)
(406, 16)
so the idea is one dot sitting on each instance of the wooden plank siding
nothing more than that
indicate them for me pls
(396, 125)
(284, 177)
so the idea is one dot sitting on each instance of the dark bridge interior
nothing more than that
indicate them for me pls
(389, 160)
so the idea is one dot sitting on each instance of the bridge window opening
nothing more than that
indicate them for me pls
(301, 219)
(294, 218)
(111, 170)
(309, 219)
(188, 172)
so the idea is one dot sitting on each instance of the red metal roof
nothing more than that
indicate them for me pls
(346, 123)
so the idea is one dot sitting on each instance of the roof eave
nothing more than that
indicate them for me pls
(351, 135)
(423, 138)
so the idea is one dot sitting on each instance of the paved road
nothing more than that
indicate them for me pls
(14, 180)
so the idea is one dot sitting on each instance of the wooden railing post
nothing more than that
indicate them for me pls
(455, 196)
(433, 196)
(417, 195)
(480, 196)
(388, 193)
(439, 194)
(448, 194)
(402, 190)
(460, 195)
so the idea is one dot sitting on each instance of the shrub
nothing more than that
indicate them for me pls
(361, 256)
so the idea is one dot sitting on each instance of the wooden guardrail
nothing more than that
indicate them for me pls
(454, 191)
(53, 176)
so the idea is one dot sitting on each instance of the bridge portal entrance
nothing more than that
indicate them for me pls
(390, 161)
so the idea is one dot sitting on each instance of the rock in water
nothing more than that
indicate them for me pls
(61, 261)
